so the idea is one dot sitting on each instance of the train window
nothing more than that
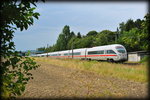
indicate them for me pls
(110, 52)
(96, 52)
(76, 53)
(65, 54)
(54, 55)
(120, 49)
(101, 52)
(92, 52)
(70, 53)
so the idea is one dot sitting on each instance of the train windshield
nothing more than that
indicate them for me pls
(120, 49)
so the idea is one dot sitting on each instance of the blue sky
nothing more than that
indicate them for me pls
(80, 16)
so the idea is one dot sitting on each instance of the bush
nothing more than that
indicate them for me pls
(144, 59)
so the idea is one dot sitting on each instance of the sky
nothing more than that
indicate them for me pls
(80, 16)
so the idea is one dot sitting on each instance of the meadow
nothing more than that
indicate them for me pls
(137, 73)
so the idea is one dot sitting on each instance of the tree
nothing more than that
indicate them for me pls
(14, 68)
(28, 53)
(145, 32)
(67, 35)
(92, 33)
(105, 37)
(129, 25)
(134, 35)
(117, 35)
(138, 23)
(61, 43)
(86, 42)
(78, 35)
(41, 49)
(122, 27)
(64, 38)
(72, 34)
(72, 43)
(131, 39)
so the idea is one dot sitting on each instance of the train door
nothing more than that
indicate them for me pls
(68, 53)
(105, 53)
(85, 52)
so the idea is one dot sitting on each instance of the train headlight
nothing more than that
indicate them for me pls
(120, 54)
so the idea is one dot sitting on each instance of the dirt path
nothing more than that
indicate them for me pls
(57, 82)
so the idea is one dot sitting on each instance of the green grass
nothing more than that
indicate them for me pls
(137, 73)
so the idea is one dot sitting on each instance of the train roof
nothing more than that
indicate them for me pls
(104, 47)
(53, 52)
(63, 51)
(79, 49)
(112, 45)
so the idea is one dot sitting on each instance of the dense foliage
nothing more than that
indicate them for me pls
(132, 34)
(14, 70)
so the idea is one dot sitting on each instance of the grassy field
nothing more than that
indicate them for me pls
(137, 73)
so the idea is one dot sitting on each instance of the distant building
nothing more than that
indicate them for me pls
(137, 55)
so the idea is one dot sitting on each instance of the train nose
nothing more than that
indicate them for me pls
(122, 56)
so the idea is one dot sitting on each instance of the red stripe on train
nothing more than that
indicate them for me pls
(99, 55)
(84, 56)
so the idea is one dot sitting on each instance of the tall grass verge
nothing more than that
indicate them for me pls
(137, 73)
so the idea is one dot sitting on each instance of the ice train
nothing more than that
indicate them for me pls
(114, 52)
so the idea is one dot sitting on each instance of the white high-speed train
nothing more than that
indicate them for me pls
(114, 52)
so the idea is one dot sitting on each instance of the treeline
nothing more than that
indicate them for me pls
(132, 34)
